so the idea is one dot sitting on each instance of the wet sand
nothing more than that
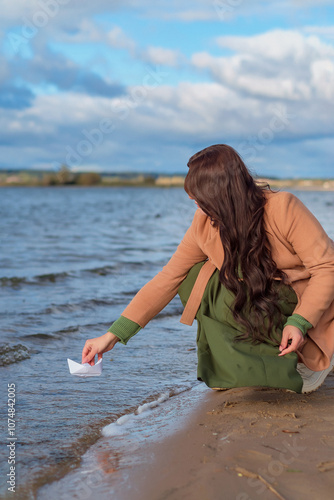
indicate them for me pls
(244, 444)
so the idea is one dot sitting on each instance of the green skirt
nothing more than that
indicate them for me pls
(224, 363)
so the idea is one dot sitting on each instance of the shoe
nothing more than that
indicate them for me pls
(313, 380)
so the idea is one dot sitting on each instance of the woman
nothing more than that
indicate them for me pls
(256, 269)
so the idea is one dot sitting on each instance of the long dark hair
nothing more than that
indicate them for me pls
(221, 184)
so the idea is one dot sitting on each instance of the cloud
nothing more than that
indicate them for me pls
(277, 45)
(49, 68)
(14, 97)
(228, 10)
(88, 31)
(118, 39)
(162, 114)
(190, 15)
(162, 56)
(277, 64)
(66, 75)
(21, 10)
(178, 114)
(251, 77)
(322, 78)
(320, 31)
(157, 128)
(69, 13)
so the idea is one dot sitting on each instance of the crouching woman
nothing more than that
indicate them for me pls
(256, 270)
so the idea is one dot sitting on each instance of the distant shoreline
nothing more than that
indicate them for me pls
(65, 178)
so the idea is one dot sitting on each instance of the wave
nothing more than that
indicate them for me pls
(121, 300)
(14, 282)
(39, 279)
(10, 354)
(74, 307)
(126, 423)
(50, 278)
(40, 336)
(17, 281)
(58, 334)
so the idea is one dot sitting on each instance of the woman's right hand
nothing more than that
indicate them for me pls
(98, 346)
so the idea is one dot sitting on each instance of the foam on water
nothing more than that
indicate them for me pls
(125, 423)
(13, 353)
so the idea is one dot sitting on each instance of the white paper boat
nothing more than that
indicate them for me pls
(85, 370)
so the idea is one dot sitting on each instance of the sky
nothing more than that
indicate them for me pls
(125, 86)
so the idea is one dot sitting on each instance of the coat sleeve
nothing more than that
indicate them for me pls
(316, 251)
(158, 292)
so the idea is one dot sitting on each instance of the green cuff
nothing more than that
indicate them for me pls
(124, 329)
(300, 322)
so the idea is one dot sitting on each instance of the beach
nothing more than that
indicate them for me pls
(239, 444)
(246, 443)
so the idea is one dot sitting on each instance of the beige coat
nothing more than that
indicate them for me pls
(300, 247)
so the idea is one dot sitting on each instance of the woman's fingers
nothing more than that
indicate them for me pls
(291, 348)
(85, 355)
(284, 341)
(295, 335)
(98, 346)
(88, 353)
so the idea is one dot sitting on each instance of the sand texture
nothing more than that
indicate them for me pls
(246, 444)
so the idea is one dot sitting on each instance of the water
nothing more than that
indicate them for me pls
(71, 259)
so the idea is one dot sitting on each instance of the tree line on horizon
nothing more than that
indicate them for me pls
(65, 177)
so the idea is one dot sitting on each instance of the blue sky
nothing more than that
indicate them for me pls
(141, 86)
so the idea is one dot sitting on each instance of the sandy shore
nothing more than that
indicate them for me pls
(245, 444)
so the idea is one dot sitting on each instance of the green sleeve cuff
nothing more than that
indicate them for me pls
(300, 322)
(124, 329)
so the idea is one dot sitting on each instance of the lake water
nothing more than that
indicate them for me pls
(71, 260)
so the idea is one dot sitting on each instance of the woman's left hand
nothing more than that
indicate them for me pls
(295, 335)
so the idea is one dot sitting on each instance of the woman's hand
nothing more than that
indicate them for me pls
(295, 335)
(98, 346)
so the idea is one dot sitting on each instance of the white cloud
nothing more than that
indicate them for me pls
(240, 72)
(322, 32)
(207, 111)
(163, 56)
(118, 39)
(277, 64)
(87, 32)
(322, 78)
(277, 45)
(190, 15)
(90, 32)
